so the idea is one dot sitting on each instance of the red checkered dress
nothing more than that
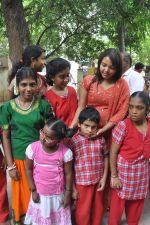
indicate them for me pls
(134, 175)
(88, 158)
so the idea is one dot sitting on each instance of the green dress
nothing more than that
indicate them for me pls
(24, 125)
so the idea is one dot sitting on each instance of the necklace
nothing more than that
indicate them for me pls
(25, 109)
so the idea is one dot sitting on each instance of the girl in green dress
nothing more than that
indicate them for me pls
(22, 118)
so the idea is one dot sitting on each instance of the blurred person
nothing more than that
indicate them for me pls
(139, 67)
(134, 79)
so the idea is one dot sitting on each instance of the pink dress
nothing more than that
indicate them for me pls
(48, 176)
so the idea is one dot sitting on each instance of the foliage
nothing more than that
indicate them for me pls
(81, 29)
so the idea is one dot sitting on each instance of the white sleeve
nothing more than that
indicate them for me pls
(136, 83)
(68, 156)
(29, 152)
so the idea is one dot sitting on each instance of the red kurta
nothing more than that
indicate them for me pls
(111, 103)
(64, 106)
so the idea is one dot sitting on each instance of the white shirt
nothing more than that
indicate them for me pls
(135, 80)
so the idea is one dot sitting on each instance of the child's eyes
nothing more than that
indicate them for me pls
(64, 77)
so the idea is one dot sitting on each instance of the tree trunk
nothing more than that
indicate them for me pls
(121, 36)
(16, 26)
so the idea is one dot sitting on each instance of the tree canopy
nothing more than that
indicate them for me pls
(79, 29)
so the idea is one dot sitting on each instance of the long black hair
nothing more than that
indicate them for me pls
(116, 59)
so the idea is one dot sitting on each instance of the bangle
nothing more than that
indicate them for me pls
(32, 189)
(114, 176)
(11, 167)
(68, 189)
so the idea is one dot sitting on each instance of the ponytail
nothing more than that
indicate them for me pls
(60, 128)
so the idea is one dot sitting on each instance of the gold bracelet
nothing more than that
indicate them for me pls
(114, 176)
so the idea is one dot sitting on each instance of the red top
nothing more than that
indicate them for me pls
(133, 160)
(64, 106)
(134, 143)
(111, 103)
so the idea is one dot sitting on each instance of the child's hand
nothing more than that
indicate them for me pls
(100, 131)
(101, 184)
(14, 174)
(116, 183)
(75, 194)
(67, 199)
(35, 197)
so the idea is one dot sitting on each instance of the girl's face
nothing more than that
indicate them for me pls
(39, 63)
(27, 88)
(107, 69)
(137, 109)
(61, 79)
(48, 137)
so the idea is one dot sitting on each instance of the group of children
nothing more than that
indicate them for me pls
(52, 165)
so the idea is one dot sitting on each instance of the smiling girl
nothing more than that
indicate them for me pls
(22, 118)
(62, 97)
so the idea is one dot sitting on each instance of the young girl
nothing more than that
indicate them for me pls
(34, 57)
(22, 118)
(63, 98)
(49, 171)
(129, 161)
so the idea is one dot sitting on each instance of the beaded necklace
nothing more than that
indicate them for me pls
(25, 109)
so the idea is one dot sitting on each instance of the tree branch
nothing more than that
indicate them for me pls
(63, 41)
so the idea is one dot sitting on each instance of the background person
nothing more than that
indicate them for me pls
(4, 206)
(34, 57)
(139, 67)
(134, 79)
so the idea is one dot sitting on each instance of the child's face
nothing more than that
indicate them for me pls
(39, 63)
(27, 88)
(48, 137)
(137, 109)
(61, 79)
(88, 128)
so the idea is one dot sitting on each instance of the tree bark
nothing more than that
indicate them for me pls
(16, 27)
(121, 36)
